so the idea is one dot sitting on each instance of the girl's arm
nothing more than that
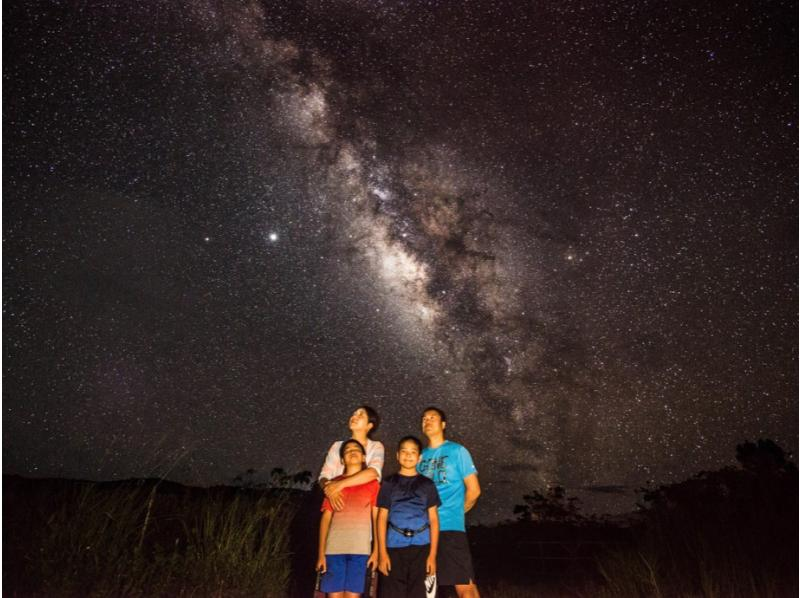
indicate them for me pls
(433, 518)
(384, 564)
(372, 562)
(324, 527)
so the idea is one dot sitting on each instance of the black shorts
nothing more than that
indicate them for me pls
(453, 560)
(407, 577)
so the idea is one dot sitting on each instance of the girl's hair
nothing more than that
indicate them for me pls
(350, 441)
(413, 439)
(372, 417)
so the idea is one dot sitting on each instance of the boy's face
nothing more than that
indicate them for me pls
(353, 455)
(408, 455)
(359, 421)
(432, 424)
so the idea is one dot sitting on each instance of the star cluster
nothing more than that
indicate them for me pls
(574, 227)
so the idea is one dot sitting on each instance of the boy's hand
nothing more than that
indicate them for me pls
(372, 562)
(430, 565)
(334, 494)
(322, 566)
(385, 564)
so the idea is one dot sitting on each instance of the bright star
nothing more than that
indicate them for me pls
(273, 237)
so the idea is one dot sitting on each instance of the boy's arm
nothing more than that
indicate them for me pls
(473, 491)
(384, 564)
(433, 519)
(324, 527)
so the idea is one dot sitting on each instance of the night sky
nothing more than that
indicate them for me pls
(571, 225)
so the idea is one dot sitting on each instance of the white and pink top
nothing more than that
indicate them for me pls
(333, 466)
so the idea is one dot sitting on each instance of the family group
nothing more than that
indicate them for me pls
(409, 526)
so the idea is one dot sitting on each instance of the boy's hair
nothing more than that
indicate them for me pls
(350, 441)
(437, 410)
(372, 417)
(413, 439)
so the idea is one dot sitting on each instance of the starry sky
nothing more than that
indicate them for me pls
(571, 225)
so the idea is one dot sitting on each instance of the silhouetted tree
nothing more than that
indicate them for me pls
(245, 480)
(278, 478)
(553, 505)
(763, 456)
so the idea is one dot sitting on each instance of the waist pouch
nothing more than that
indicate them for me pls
(409, 533)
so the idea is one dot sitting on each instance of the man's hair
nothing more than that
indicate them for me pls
(413, 439)
(350, 441)
(373, 418)
(437, 410)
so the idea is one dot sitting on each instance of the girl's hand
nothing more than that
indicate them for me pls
(372, 562)
(385, 564)
(322, 566)
(430, 565)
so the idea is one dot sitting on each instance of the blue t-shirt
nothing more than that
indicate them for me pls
(408, 499)
(448, 465)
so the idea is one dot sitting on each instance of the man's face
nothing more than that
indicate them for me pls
(353, 455)
(359, 421)
(408, 454)
(432, 424)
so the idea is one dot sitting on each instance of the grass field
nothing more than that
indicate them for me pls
(725, 534)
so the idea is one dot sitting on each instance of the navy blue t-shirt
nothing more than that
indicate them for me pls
(408, 499)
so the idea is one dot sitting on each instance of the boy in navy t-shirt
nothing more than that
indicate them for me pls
(408, 526)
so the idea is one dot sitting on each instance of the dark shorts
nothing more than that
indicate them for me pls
(407, 577)
(454, 561)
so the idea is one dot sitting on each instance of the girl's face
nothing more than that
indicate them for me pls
(353, 455)
(359, 421)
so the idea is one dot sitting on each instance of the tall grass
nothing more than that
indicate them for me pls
(131, 541)
(239, 548)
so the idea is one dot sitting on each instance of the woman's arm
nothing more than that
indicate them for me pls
(330, 466)
(362, 477)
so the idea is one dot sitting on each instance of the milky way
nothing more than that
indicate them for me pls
(227, 224)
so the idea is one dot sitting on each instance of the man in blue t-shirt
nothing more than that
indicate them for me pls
(450, 467)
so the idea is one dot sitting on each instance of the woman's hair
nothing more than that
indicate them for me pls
(413, 439)
(372, 417)
(351, 441)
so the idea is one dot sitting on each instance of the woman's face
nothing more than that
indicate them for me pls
(359, 421)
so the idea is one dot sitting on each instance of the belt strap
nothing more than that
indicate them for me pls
(408, 533)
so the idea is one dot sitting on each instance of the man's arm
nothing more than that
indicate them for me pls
(473, 491)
